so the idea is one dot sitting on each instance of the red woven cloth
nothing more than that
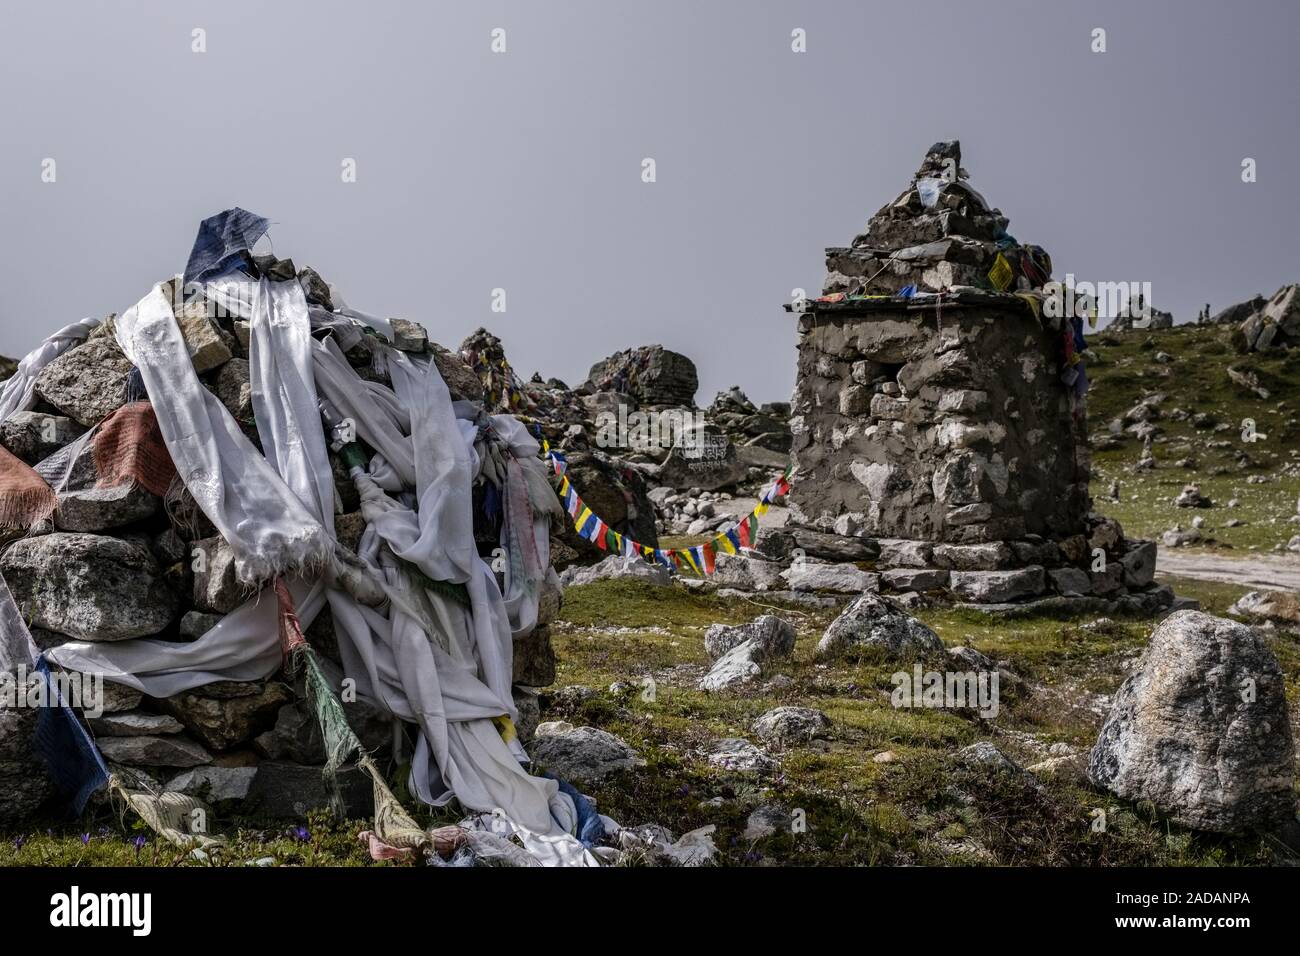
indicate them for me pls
(129, 446)
(25, 498)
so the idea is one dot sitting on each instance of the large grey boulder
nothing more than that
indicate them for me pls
(876, 623)
(583, 754)
(1201, 730)
(214, 784)
(740, 653)
(790, 726)
(991, 587)
(808, 575)
(216, 587)
(1278, 607)
(706, 459)
(737, 755)
(616, 566)
(771, 636)
(226, 714)
(88, 586)
(172, 750)
(652, 374)
(24, 784)
(533, 661)
(98, 509)
(34, 435)
(86, 382)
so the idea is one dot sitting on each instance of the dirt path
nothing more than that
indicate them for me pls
(1268, 571)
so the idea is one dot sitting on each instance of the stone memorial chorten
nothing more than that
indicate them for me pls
(939, 413)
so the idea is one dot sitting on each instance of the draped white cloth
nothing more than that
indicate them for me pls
(17, 394)
(268, 527)
(448, 671)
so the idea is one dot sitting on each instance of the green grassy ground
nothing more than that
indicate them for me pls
(1124, 369)
(884, 788)
(913, 805)
(916, 806)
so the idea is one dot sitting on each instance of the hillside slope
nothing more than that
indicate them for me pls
(1198, 409)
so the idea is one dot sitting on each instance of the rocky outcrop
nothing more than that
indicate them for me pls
(1201, 729)
(1275, 324)
(651, 374)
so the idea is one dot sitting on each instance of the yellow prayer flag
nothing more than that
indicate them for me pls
(1001, 275)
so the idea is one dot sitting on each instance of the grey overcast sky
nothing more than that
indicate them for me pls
(522, 170)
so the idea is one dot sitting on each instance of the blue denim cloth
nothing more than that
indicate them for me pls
(222, 239)
(73, 761)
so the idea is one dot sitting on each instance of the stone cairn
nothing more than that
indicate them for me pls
(940, 451)
(120, 563)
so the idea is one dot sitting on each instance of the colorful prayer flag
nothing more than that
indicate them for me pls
(1001, 274)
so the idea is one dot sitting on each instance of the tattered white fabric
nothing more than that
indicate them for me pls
(268, 527)
(17, 393)
(17, 648)
(447, 671)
